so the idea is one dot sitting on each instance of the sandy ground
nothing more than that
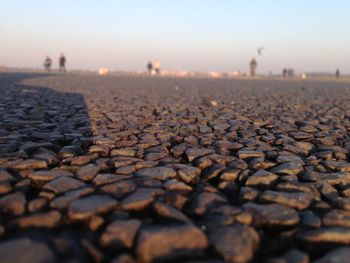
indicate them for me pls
(136, 168)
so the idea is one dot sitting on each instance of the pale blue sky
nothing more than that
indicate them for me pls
(199, 35)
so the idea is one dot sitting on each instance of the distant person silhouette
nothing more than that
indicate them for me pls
(156, 66)
(150, 67)
(253, 66)
(47, 63)
(62, 63)
(337, 73)
(284, 73)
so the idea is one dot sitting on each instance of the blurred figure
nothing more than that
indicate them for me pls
(47, 63)
(150, 67)
(253, 66)
(337, 73)
(62, 63)
(284, 73)
(156, 67)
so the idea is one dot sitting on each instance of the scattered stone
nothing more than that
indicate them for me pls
(170, 243)
(86, 207)
(235, 243)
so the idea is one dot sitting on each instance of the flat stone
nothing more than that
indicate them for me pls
(13, 204)
(139, 200)
(107, 178)
(49, 175)
(169, 212)
(339, 255)
(175, 185)
(87, 172)
(120, 233)
(159, 173)
(261, 178)
(336, 218)
(63, 184)
(246, 154)
(298, 201)
(170, 243)
(193, 153)
(272, 215)
(64, 200)
(87, 206)
(203, 202)
(30, 251)
(291, 256)
(119, 189)
(5, 176)
(336, 235)
(290, 168)
(30, 164)
(44, 220)
(236, 243)
(186, 173)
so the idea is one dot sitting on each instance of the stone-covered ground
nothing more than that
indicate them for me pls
(138, 169)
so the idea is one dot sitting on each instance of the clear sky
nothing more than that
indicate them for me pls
(197, 35)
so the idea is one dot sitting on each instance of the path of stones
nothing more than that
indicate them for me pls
(137, 169)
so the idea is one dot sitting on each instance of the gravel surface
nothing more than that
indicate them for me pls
(145, 169)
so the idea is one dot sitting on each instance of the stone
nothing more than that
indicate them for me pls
(120, 233)
(87, 172)
(203, 202)
(289, 168)
(63, 201)
(261, 178)
(170, 243)
(13, 204)
(169, 212)
(107, 178)
(31, 164)
(30, 251)
(119, 189)
(43, 220)
(159, 173)
(63, 184)
(235, 243)
(88, 206)
(339, 255)
(139, 200)
(246, 154)
(44, 176)
(336, 218)
(336, 235)
(272, 215)
(298, 201)
(193, 153)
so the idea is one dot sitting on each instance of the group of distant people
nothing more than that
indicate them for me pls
(61, 62)
(153, 67)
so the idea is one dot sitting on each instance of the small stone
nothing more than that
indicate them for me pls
(290, 168)
(298, 201)
(27, 251)
(235, 243)
(13, 204)
(63, 184)
(139, 200)
(44, 176)
(170, 243)
(36, 204)
(169, 212)
(120, 233)
(203, 202)
(175, 185)
(336, 235)
(246, 154)
(107, 178)
(159, 173)
(272, 215)
(193, 153)
(86, 207)
(119, 189)
(291, 256)
(64, 200)
(261, 178)
(336, 218)
(339, 255)
(87, 172)
(44, 220)
(31, 164)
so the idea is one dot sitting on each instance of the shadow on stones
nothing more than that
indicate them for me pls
(37, 119)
